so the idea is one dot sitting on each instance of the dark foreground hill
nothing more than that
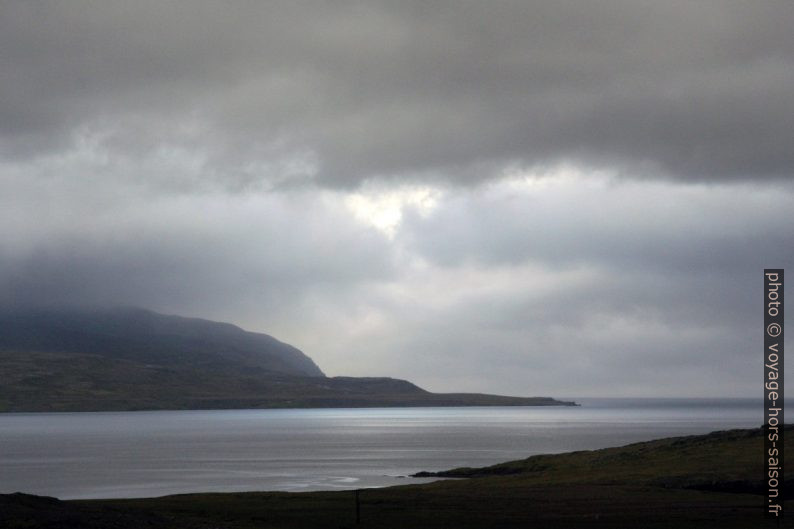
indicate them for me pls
(135, 359)
(705, 481)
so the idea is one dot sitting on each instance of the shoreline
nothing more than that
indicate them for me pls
(406, 441)
(556, 404)
(686, 479)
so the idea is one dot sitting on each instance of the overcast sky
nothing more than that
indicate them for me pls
(532, 198)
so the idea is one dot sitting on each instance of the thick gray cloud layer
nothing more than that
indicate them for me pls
(521, 197)
(565, 285)
(345, 91)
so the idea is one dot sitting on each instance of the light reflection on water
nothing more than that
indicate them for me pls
(139, 454)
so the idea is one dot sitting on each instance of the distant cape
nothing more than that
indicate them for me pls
(123, 358)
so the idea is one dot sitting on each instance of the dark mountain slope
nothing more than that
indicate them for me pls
(134, 359)
(148, 337)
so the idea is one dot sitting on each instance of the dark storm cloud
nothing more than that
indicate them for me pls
(689, 90)
(290, 167)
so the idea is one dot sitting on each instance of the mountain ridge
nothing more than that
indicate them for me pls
(126, 359)
(144, 335)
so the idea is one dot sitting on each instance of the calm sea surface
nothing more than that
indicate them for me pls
(139, 454)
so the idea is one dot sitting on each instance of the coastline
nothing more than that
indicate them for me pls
(706, 480)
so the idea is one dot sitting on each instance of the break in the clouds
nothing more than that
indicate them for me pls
(559, 198)
(340, 92)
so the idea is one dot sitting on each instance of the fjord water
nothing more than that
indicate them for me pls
(141, 454)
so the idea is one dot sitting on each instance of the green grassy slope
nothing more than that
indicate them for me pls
(717, 460)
